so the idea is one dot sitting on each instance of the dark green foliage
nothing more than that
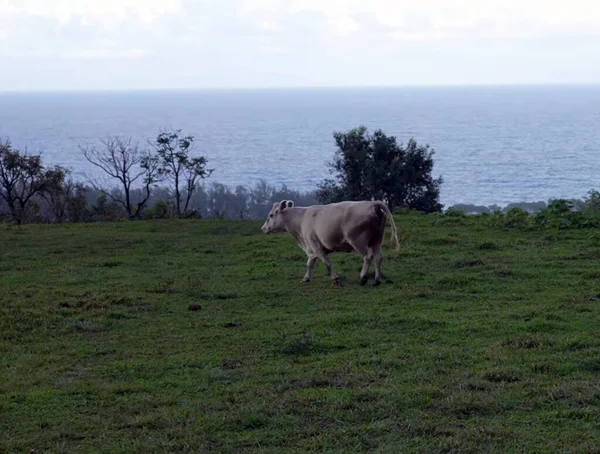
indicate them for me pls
(530, 207)
(77, 207)
(560, 215)
(105, 210)
(32, 192)
(516, 218)
(197, 336)
(592, 201)
(453, 212)
(374, 166)
(160, 210)
(62, 194)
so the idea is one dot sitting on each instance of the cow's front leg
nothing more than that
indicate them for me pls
(334, 276)
(310, 265)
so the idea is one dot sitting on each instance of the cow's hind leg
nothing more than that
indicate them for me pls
(364, 274)
(310, 265)
(367, 253)
(378, 257)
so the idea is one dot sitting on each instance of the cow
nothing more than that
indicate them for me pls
(336, 227)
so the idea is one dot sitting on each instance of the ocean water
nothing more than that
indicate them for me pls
(492, 144)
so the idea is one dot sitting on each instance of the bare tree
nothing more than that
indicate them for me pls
(176, 164)
(122, 160)
(22, 176)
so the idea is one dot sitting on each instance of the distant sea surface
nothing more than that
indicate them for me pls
(493, 145)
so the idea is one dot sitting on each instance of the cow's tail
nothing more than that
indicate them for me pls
(394, 235)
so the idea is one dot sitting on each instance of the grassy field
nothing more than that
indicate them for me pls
(198, 336)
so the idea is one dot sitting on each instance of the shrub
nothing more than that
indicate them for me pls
(160, 210)
(516, 218)
(454, 212)
(560, 215)
(592, 201)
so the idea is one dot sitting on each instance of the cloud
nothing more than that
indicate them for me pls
(95, 54)
(343, 25)
(416, 36)
(272, 49)
(92, 11)
(7, 7)
(296, 42)
(81, 29)
(431, 20)
(269, 26)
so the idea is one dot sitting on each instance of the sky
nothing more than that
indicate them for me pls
(186, 44)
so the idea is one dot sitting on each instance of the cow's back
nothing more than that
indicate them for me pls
(332, 225)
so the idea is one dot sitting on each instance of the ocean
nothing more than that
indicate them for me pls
(493, 145)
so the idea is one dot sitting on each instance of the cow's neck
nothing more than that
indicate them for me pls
(293, 222)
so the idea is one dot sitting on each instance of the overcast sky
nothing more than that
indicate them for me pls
(147, 44)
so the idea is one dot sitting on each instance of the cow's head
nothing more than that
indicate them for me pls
(275, 222)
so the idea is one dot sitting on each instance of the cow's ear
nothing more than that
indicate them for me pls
(282, 205)
(290, 204)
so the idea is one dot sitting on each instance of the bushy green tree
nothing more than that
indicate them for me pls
(374, 166)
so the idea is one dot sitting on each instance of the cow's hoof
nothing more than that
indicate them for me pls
(336, 281)
(305, 281)
(376, 283)
(364, 280)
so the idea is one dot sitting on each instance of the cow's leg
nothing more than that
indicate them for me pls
(367, 253)
(334, 276)
(310, 265)
(364, 274)
(378, 257)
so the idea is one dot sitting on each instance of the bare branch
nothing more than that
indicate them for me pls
(121, 159)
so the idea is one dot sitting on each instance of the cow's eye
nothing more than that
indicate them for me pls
(270, 215)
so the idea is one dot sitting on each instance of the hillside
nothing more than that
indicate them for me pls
(198, 336)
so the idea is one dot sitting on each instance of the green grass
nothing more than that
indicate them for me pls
(198, 336)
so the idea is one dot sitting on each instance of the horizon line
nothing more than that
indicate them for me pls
(298, 88)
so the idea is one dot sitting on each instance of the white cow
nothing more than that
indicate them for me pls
(336, 227)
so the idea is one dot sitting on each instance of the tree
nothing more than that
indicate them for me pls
(122, 160)
(178, 166)
(77, 205)
(22, 177)
(59, 190)
(242, 195)
(592, 201)
(374, 167)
